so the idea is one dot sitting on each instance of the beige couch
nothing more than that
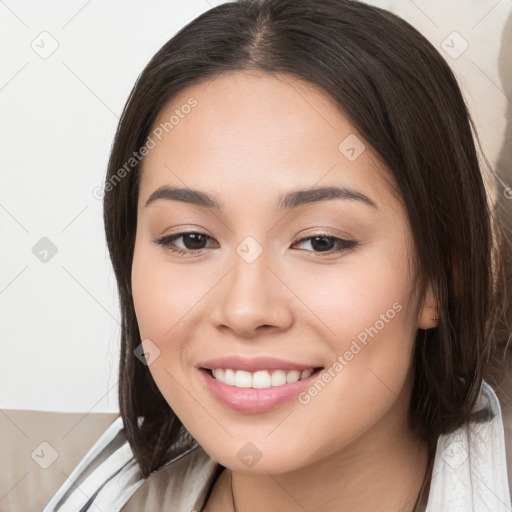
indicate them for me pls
(27, 486)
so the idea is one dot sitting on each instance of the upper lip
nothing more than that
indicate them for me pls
(255, 364)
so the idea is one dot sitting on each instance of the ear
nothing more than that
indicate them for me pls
(428, 316)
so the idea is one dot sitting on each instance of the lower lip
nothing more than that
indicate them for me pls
(251, 400)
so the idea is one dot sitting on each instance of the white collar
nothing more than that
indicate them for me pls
(470, 470)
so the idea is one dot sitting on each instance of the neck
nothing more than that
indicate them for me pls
(375, 473)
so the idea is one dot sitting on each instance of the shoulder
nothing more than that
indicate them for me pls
(109, 461)
(108, 476)
(182, 484)
(471, 467)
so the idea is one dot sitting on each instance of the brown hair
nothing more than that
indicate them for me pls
(404, 100)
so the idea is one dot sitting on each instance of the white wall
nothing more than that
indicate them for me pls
(58, 319)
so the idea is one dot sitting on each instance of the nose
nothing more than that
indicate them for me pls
(252, 298)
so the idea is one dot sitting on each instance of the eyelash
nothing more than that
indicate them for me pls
(342, 244)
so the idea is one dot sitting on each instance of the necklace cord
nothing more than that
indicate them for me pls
(232, 495)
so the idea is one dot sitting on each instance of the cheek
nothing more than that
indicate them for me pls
(159, 306)
(145, 296)
(168, 304)
(162, 296)
(366, 296)
(369, 321)
(371, 333)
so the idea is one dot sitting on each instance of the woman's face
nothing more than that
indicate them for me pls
(257, 283)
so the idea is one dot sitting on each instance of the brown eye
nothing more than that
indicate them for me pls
(192, 242)
(328, 244)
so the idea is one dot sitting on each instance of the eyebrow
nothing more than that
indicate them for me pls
(290, 200)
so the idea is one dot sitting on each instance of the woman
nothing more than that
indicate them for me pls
(309, 272)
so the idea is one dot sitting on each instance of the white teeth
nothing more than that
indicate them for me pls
(243, 379)
(293, 376)
(278, 378)
(229, 377)
(306, 373)
(259, 380)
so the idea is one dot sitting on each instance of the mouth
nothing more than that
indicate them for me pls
(261, 379)
(241, 392)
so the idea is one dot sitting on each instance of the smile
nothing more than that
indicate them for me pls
(261, 379)
(248, 398)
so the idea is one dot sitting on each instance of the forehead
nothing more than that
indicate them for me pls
(258, 131)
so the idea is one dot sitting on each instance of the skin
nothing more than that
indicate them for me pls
(251, 138)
